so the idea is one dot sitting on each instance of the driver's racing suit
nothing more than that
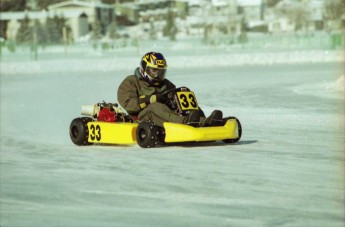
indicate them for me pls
(135, 95)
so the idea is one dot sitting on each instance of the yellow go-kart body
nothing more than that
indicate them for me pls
(126, 133)
(112, 132)
(185, 133)
(107, 124)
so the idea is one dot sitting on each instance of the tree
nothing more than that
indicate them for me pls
(108, 1)
(8, 6)
(54, 28)
(3, 29)
(170, 28)
(112, 30)
(25, 32)
(43, 4)
(96, 33)
(152, 31)
(12, 5)
(40, 33)
(296, 12)
(272, 3)
(334, 9)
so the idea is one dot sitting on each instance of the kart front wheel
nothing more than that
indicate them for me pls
(148, 135)
(79, 131)
(239, 131)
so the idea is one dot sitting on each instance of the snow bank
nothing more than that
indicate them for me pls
(101, 63)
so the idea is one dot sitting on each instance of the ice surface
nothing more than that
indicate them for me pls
(287, 170)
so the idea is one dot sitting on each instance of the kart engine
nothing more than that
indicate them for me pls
(106, 112)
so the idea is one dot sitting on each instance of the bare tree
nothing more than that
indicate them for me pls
(296, 12)
(334, 9)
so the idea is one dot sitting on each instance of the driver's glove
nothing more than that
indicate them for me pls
(145, 100)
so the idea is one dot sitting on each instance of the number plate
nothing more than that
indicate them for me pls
(187, 100)
(95, 133)
(110, 132)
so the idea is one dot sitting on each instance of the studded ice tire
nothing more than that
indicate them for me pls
(79, 131)
(239, 130)
(149, 135)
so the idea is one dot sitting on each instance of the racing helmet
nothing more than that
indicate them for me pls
(153, 68)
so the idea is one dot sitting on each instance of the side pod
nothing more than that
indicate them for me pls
(185, 133)
(112, 133)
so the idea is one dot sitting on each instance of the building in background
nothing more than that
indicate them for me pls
(207, 18)
(82, 14)
(79, 16)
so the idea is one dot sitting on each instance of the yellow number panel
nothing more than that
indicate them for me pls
(187, 100)
(113, 133)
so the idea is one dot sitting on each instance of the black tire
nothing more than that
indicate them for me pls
(239, 130)
(79, 131)
(149, 135)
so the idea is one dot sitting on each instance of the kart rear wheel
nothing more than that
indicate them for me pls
(239, 130)
(148, 135)
(79, 131)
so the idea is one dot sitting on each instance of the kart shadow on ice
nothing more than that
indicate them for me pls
(213, 143)
(108, 124)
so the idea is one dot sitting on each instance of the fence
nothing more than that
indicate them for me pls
(254, 42)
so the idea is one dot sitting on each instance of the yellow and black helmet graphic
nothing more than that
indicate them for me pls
(153, 68)
(153, 60)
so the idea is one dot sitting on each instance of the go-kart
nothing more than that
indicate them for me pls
(107, 123)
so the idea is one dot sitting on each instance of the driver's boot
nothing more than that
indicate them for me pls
(215, 119)
(193, 118)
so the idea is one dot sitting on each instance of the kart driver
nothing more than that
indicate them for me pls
(141, 95)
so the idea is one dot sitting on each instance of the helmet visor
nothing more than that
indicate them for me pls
(156, 73)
